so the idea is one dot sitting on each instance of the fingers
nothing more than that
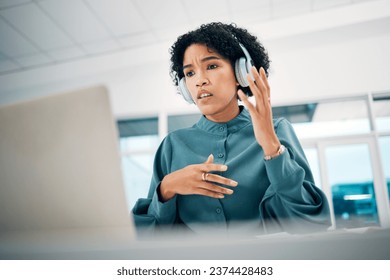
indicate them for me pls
(259, 86)
(261, 79)
(216, 188)
(209, 166)
(210, 159)
(212, 190)
(208, 186)
(246, 101)
(206, 192)
(265, 81)
(221, 180)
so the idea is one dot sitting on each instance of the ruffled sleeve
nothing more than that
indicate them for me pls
(292, 202)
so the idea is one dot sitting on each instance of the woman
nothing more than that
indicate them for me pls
(237, 167)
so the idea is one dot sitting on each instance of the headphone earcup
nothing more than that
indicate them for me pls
(184, 91)
(241, 71)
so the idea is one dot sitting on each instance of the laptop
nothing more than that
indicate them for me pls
(61, 185)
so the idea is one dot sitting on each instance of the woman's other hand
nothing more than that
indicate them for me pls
(196, 179)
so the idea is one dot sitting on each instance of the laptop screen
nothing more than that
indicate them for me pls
(60, 164)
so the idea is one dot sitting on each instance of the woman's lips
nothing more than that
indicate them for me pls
(204, 95)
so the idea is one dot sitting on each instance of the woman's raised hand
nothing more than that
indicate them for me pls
(261, 112)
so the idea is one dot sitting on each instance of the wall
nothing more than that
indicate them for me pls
(346, 59)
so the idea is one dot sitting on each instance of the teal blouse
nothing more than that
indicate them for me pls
(274, 195)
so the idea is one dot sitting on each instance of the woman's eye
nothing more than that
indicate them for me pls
(189, 74)
(212, 66)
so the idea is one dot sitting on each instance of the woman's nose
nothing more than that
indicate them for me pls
(202, 80)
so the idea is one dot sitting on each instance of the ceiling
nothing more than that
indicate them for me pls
(35, 33)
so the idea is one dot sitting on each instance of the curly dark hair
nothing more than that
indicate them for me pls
(222, 38)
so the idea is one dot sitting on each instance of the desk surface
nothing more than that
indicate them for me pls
(365, 244)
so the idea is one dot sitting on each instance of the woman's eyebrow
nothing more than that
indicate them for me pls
(202, 60)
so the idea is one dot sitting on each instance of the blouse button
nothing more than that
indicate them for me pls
(220, 155)
(218, 210)
(221, 128)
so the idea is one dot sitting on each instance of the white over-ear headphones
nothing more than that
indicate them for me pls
(242, 68)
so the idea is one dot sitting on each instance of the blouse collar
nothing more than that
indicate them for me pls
(243, 119)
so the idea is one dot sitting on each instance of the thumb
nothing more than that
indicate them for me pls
(210, 159)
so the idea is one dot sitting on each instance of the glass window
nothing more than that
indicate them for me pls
(351, 180)
(350, 176)
(312, 158)
(327, 118)
(295, 113)
(137, 127)
(182, 121)
(384, 144)
(138, 144)
(137, 163)
(381, 106)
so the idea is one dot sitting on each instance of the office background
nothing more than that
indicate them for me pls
(329, 76)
